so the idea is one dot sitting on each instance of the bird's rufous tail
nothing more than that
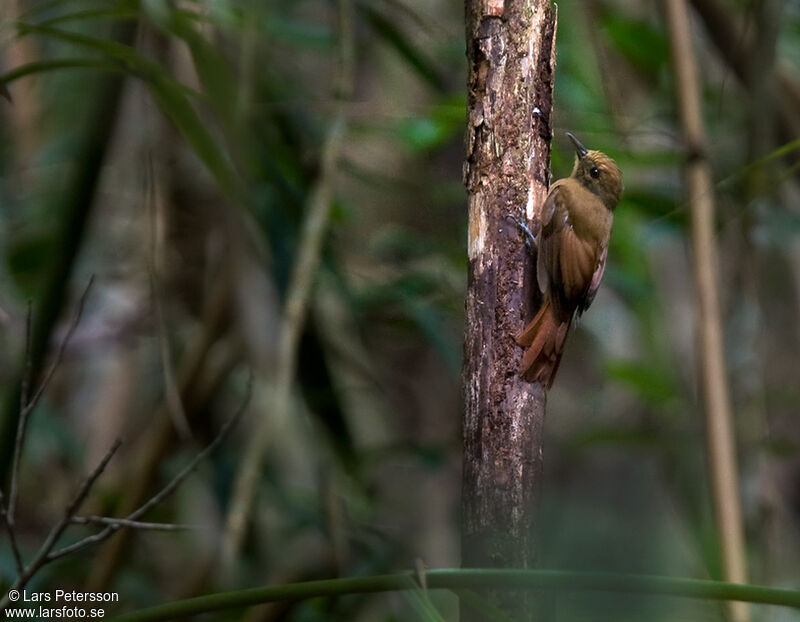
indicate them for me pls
(544, 338)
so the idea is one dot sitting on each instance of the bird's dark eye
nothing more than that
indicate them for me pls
(594, 172)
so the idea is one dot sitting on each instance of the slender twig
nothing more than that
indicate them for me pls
(164, 492)
(12, 536)
(43, 555)
(210, 448)
(720, 429)
(29, 403)
(123, 522)
(299, 290)
(76, 503)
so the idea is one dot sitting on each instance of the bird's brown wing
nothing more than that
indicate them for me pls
(595, 284)
(566, 263)
(554, 218)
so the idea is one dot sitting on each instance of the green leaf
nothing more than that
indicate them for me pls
(44, 66)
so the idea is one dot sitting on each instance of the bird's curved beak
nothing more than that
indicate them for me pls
(579, 148)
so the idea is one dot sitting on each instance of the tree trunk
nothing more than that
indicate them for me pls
(511, 54)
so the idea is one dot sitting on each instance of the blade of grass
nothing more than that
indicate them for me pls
(120, 12)
(469, 579)
(43, 66)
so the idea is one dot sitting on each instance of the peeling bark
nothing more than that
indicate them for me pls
(511, 54)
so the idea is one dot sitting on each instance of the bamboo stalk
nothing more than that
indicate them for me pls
(719, 434)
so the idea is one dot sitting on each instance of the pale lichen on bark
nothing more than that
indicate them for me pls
(495, 7)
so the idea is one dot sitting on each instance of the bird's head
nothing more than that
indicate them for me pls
(598, 173)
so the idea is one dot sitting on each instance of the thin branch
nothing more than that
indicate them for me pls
(164, 492)
(43, 556)
(76, 502)
(12, 536)
(720, 429)
(132, 524)
(211, 448)
(27, 404)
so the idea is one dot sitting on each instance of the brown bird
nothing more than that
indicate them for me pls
(572, 242)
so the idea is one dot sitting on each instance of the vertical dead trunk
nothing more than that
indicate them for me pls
(511, 54)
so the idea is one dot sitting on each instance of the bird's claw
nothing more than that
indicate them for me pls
(530, 239)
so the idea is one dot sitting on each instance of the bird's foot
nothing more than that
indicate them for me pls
(530, 239)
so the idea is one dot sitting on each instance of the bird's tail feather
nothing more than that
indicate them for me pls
(544, 338)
